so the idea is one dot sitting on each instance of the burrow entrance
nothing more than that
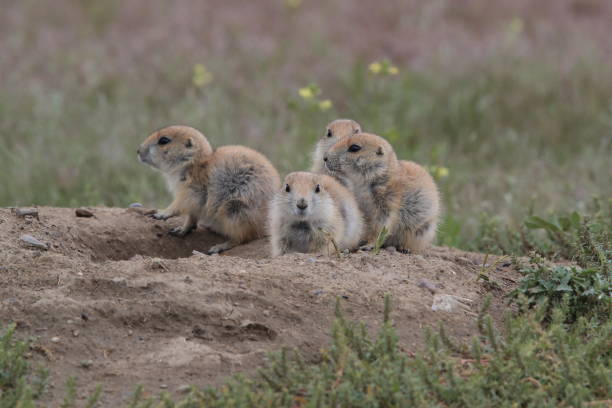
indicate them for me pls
(116, 235)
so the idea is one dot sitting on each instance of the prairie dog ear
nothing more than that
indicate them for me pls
(380, 151)
(189, 143)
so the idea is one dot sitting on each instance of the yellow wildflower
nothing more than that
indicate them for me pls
(325, 104)
(294, 3)
(442, 172)
(375, 67)
(306, 92)
(201, 76)
(393, 70)
(516, 25)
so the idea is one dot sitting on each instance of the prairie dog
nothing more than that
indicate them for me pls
(334, 131)
(309, 211)
(227, 189)
(399, 195)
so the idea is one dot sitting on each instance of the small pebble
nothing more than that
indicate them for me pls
(163, 386)
(30, 240)
(70, 321)
(55, 339)
(184, 389)
(317, 292)
(266, 313)
(75, 333)
(311, 260)
(425, 284)
(86, 363)
(83, 212)
(135, 205)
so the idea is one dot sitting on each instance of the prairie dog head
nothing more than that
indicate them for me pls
(304, 196)
(173, 147)
(335, 131)
(363, 156)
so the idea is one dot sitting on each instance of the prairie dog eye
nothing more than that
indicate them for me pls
(318, 189)
(329, 133)
(287, 188)
(354, 148)
(163, 140)
(357, 130)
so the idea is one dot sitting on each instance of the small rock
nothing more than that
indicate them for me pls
(184, 389)
(30, 240)
(55, 339)
(75, 333)
(266, 313)
(311, 260)
(425, 284)
(84, 317)
(134, 205)
(317, 292)
(450, 303)
(86, 363)
(163, 386)
(70, 321)
(23, 212)
(345, 297)
(83, 212)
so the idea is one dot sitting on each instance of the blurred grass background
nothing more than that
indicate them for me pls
(513, 97)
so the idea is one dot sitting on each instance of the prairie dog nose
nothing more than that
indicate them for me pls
(302, 205)
(138, 151)
(324, 158)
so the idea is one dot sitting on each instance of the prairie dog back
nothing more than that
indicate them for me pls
(310, 211)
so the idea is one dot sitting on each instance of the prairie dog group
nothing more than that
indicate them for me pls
(228, 189)
(357, 187)
(312, 213)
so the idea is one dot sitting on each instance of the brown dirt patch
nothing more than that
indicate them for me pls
(116, 289)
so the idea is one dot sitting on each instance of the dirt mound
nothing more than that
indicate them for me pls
(116, 300)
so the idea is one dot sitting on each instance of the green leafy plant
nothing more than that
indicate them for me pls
(587, 290)
(17, 386)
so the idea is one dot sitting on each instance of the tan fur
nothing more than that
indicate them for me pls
(399, 195)
(334, 131)
(227, 189)
(328, 215)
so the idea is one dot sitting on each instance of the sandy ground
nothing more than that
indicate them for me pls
(115, 300)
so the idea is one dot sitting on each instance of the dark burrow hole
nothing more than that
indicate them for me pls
(130, 235)
(160, 245)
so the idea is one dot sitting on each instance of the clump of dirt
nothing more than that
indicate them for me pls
(116, 300)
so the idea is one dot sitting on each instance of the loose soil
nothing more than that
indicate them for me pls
(117, 301)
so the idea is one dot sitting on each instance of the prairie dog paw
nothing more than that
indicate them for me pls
(160, 215)
(180, 231)
(217, 249)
